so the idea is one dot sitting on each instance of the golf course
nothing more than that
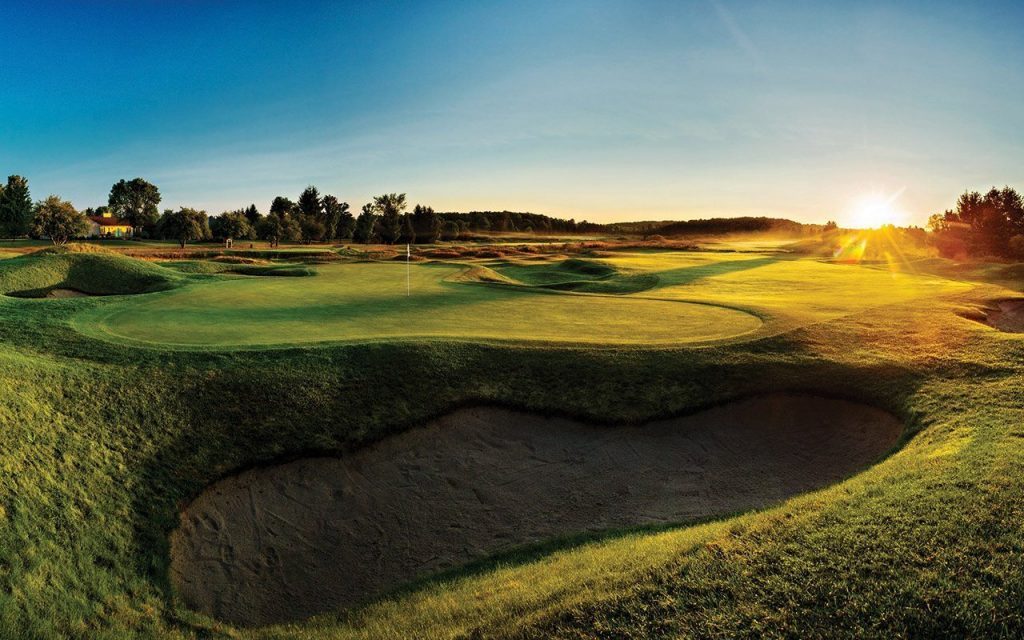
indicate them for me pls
(575, 320)
(568, 442)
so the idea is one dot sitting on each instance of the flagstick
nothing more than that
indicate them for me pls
(408, 289)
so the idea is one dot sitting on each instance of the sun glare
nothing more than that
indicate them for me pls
(876, 210)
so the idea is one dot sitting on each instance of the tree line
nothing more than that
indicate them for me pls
(982, 225)
(313, 217)
(719, 226)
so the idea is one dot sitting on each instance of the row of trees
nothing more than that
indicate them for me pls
(982, 225)
(313, 217)
(59, 221)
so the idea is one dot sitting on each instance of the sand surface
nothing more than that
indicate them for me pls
(1008, 315)
(65, 293)
(282, 543)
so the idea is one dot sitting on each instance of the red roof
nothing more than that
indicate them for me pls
(109, 222)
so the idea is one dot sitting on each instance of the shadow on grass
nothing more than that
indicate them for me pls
(689, 275)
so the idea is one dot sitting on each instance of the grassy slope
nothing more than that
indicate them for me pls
(84, 269)
(575, 274)
(102, 442)
(246, 268)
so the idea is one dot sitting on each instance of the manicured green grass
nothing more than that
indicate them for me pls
(791, 291)
(352, 302)
(103, 442)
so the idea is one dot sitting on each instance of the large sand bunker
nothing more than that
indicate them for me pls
(283, 543)
(1007, 315)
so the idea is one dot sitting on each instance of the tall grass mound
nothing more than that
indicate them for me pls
(238, 266)
(84, 268)
(480, 273)
(580, 275)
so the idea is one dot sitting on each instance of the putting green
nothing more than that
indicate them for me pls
(367, 301)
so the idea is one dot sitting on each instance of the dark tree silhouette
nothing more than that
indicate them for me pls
(390, 206)
(982, 225)
(427, 224)
(16, 209)
(366, 224)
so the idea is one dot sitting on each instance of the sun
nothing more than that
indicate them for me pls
(876, 210)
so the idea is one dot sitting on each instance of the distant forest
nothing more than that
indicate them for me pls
(505, 221)
(717, 226)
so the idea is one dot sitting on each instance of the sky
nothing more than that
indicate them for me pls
(594, 109)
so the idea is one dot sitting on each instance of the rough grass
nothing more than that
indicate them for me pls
(103, 442)
(84, 268)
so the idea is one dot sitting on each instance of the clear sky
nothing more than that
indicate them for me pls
(597, 109)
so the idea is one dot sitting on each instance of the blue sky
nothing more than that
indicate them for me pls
(597, 109)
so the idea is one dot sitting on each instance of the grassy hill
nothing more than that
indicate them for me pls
(83, 268)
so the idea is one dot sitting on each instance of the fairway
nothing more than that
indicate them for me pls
(353, 302)
(651, 298)
(790, 291)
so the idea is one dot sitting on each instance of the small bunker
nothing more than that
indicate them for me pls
(282, 543)
(1006, 315)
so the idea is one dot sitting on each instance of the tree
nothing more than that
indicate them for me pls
(274, 228)
(57, 220)
(282, 206)
(450, 230)
(390, 206)
(252, 214)
(408, 231)
(1017, 246)
(310, 204)
(135, 201)
(183, 225)
(311, 215)
(479, 221)
(312, 229)
(427, 224)
(96, 211)
(366, 224)
(334, 212)
(16, 208)
(232, 225)
(346, 224)
(981, 224)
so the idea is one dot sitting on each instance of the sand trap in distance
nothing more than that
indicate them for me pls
(1007, 315)
(283, 543)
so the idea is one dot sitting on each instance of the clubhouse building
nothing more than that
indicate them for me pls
(106, 225)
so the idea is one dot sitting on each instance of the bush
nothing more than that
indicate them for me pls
(1017, 246)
